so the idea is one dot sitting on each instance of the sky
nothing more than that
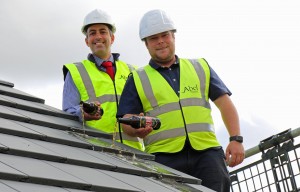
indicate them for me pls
(253, 46)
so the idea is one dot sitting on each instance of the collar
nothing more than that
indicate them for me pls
(154, 65)
(98, 61)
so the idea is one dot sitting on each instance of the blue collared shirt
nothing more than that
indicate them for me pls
(130, 102)
(71, 96)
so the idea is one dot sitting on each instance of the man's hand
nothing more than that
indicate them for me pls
(136, 132)
(143, 132)
(95, 116)
(235, 153)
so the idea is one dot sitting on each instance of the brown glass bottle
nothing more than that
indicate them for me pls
(91, 108)
(141, 121)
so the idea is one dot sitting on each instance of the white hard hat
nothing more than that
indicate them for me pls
(154, 22)
(97, 16)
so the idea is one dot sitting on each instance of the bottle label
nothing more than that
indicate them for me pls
(148, 122)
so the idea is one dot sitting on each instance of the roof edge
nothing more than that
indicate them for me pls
(6, 83)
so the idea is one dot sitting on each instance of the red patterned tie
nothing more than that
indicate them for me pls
(109, 69)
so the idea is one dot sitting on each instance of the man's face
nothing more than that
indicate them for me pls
(161, 47)
(99, 40)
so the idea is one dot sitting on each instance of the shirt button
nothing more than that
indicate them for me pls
(174, 79)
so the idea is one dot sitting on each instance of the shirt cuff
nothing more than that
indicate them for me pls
(78, 113)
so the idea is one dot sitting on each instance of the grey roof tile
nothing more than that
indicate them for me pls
(7, 89)
(15, 128)
(6, 112)
(41, 172)
(10, 171)
(98, 179)
(26, 147)
(7, 188)
(34, 106)
(14, 186)
(144, 184)
(7, 84)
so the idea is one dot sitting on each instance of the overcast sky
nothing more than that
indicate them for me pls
(254, 46)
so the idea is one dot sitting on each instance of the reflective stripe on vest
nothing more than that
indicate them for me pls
(179, 116)
(90, 88)
(85, 76)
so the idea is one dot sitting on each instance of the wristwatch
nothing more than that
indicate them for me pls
(237, 138)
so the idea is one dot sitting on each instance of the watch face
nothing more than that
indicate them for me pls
(236, 138)
(239, 139)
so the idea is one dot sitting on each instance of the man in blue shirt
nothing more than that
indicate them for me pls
(99, 79)
(177, 91)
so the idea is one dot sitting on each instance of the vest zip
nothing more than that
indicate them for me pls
(117, 103)
(186, 132)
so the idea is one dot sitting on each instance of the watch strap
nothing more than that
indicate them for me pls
(237, 138)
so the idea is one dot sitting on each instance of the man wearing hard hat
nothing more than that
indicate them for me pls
(100, 78)
(177, 91)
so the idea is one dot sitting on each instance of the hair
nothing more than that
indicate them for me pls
(172, 32)
(109, 27)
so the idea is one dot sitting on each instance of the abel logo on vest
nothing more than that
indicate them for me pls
(191, 89)
(123, 77)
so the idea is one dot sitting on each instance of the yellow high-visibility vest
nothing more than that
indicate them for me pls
(95, 85)
(188, 115)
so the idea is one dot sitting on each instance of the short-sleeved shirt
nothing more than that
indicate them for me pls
(130, 102)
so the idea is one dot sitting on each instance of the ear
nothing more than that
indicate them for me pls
(86, 41)
(112, 38)
(146, 43)
(173, 34)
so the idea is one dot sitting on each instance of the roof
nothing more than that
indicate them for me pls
(43, 148)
